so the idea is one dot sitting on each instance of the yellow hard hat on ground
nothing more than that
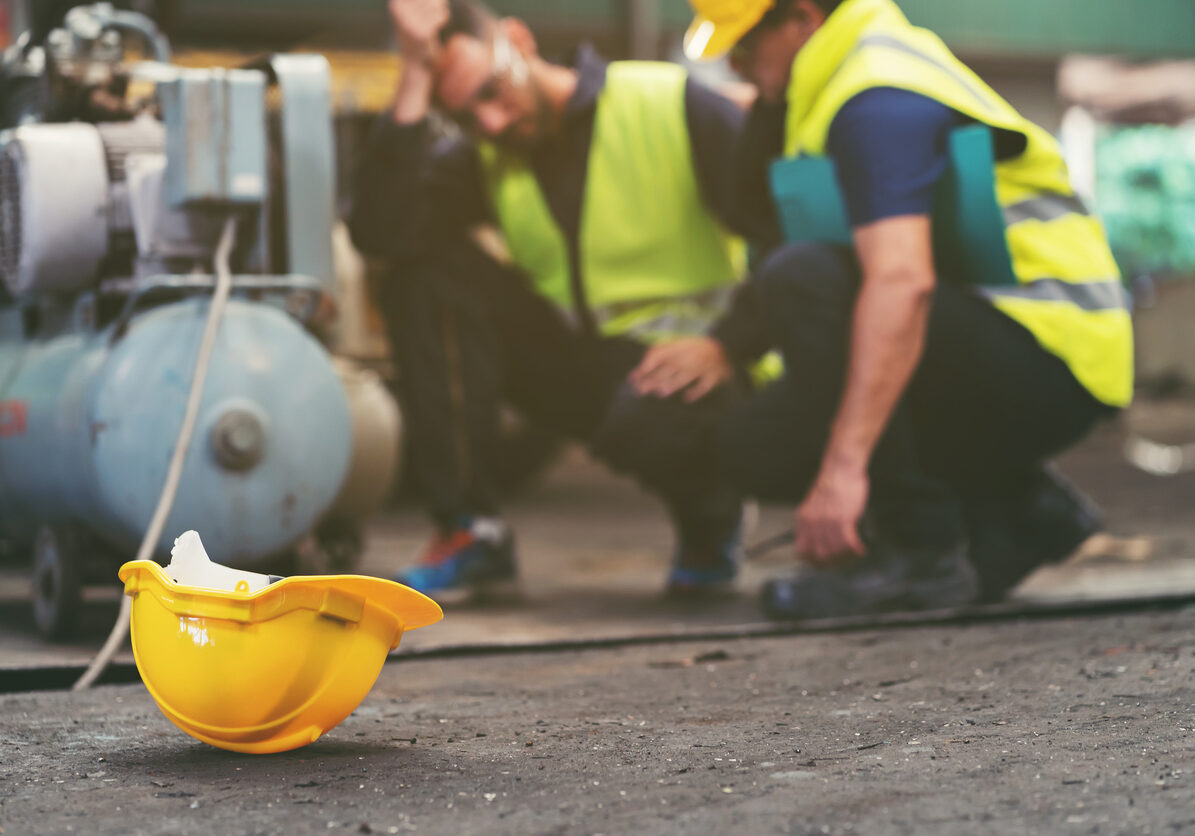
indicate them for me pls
(266, 670)
(719, 24)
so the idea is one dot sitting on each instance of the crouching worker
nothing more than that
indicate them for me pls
(613, 320)
(963, 321)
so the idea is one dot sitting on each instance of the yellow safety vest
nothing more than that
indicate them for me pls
(654, 261)
(1067, 288)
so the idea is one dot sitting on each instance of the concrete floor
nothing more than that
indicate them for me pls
(594, 551)
(1077, 725)
(1058, 726)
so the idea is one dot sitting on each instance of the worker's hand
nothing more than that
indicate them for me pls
(694, 365)
(828, 520)
(323, 319)
(417, 25)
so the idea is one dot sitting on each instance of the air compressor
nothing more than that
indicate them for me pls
(117, 215)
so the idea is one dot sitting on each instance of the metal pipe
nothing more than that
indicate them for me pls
(91, 21)
(308, 161)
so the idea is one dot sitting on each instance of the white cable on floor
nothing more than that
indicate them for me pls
(174, 474)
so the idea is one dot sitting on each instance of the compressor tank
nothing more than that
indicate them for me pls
(88, 421)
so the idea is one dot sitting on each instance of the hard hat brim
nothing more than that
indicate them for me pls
(413, 609)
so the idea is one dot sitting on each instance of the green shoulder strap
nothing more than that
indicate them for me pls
(968, 223)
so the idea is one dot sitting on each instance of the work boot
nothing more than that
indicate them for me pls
(886, 579)
(475, 558)
(709, 545)
(698, 573)
(1044, 523)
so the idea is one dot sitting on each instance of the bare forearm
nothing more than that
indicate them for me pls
(417, 25)
(412, 100)
(887, 338)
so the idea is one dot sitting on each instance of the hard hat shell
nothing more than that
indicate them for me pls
(719, 24)
(270, 670)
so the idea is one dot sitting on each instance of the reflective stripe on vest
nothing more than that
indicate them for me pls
(651, 255)
(1064, 284)
(1044, 207)
(1087, 296)
(661, 319)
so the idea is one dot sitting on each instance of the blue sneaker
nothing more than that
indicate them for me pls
(697, 574)
(476, 557)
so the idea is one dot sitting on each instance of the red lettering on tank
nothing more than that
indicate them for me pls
(12, 418)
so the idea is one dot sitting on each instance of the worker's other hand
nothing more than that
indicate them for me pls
(417, 25)
(693, 365)
(827, 522)
(323, 318)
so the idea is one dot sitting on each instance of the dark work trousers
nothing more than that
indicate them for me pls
(470, 335)
(985, 407)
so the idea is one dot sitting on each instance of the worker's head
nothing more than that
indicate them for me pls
(490, 77)
(762, 37)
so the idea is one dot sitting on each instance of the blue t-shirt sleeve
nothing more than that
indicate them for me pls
(890, 147)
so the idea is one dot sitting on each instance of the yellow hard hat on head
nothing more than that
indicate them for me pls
(719, 24)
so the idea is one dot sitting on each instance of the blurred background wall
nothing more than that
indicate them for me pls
(1119, 75)
(1015, 44)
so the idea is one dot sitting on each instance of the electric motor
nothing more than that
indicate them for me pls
(64, 201)
(53, 207)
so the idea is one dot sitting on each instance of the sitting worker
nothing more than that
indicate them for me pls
(610, 186)
(930, 372)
